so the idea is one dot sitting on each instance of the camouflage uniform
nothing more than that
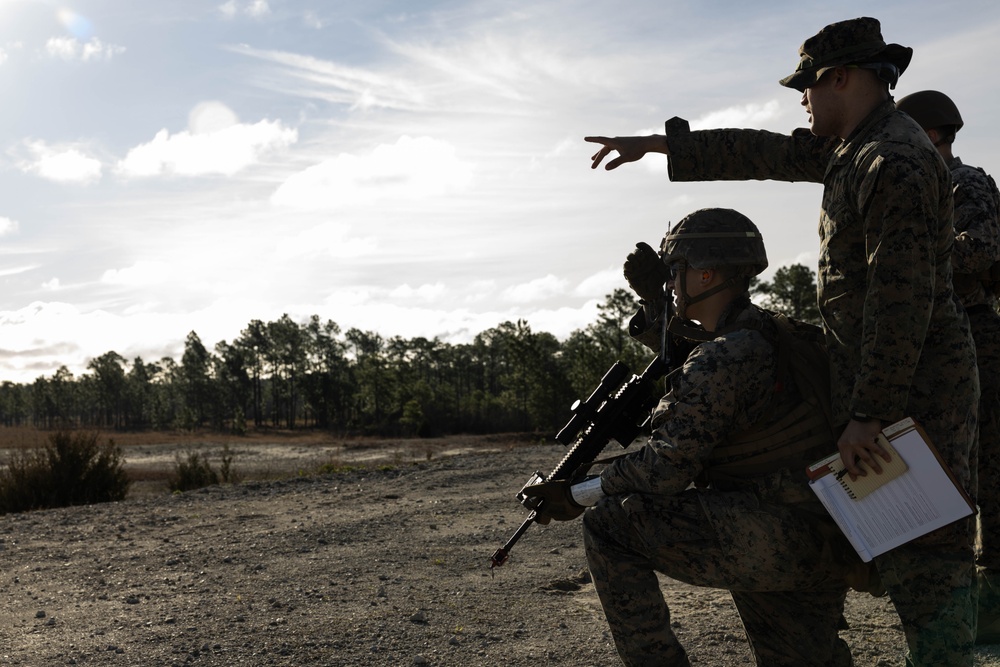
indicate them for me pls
(764, 537)
(899, 341)
(977, 247)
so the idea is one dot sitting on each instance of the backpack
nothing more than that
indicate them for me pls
(805, 431)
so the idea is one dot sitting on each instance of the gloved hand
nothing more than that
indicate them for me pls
(558, 501)
(646, 273)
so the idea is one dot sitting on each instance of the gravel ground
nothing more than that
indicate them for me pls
(386, 567)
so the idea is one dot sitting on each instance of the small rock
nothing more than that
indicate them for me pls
(420, 660)
(419, 617)
(39, 614)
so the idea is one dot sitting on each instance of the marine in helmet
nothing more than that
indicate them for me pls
(704, 501)
(975, 260)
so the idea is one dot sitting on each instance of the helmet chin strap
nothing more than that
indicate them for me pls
(686, 299)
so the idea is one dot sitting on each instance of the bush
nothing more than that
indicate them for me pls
(72, 469)
(192, 472)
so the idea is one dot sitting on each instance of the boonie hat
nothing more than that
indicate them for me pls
(853, 42)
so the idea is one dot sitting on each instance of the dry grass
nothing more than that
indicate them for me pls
(17, 437)
(151, 457)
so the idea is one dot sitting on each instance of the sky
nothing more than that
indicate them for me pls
(408, 168)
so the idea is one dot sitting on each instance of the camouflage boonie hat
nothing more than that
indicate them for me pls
(716, 237)
(854, 42)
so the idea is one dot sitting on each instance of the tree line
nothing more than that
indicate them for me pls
(288, 375)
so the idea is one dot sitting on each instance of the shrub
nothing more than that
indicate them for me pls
(192, 472)
(72, 469)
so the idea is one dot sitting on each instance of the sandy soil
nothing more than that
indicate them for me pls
(384, 567)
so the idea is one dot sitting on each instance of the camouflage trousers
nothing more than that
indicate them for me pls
(774, 559)
(931, 580)
(985, 325)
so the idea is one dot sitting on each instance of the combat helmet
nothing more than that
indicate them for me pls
(714, 238)
(931, 109)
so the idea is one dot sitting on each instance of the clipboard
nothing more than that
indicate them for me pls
(910, 499)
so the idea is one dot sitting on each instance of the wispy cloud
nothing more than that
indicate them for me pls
(357, 87)
(7, 226)
(15, 270)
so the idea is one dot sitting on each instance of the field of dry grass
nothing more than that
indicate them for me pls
(151, 457)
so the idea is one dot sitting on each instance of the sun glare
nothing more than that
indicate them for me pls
(77, 25)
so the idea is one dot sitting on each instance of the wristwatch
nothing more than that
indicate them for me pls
(862, 417)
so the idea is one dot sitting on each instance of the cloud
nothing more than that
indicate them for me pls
(72, 49)
(211, 116)
(254, 9)
(258, 9)
(601, 283)
(8, 226)
(3, 56)
(214, 144)
(229, 9)
(15, 270)
(330, 239)
(535, 290)
(62, 164)
(425, 292)
(747, 115)
(407, 170)
(141, 274)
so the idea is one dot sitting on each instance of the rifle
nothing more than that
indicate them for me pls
(618, 409)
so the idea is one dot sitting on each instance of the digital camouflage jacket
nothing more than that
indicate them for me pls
(898, 340)
(977, 230)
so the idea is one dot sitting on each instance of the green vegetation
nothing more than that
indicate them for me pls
(73, 469)
(193, 471)
(792, 292)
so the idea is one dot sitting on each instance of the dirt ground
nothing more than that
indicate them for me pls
(388, 566)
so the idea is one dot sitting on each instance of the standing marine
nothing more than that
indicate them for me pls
(975, 260)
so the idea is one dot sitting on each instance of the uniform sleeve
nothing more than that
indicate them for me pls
(721, 389)
(977, 227)
(741, 155)
(901, 220)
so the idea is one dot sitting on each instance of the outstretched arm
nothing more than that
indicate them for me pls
(629, 149)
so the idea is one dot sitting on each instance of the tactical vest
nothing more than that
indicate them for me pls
(771, 456)
(795, 439)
